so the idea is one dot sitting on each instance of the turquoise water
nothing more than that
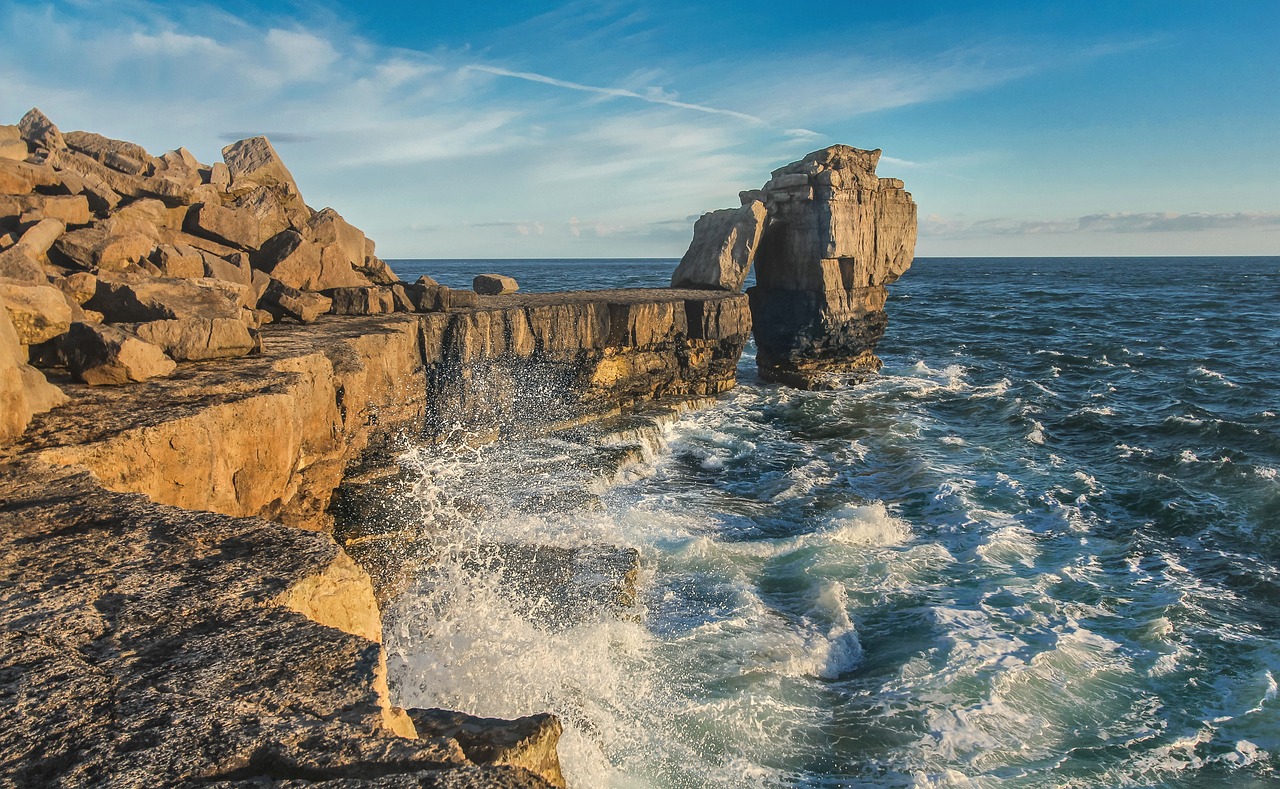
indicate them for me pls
(1041, 549)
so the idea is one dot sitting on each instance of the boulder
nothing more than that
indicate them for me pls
(427, 295)
(195, 339)
(459, 298)
(180, 261)
(264, 206)
(126, 157)
(145, 299)
(71, 209)
(37, 312)
(226, 270)
(98, 247)
(39, 131)
(23, 178)
(369, 300)
(40, 236)
(297, 262)
(17, 263)
(336, 238)
(106, 355)
(723, 249)
(255, 161)
(23, 389)
(283, 301)
(528, 742)
(377, 270)
(220, 177)
(237, 228)
(494, 285)
(80, 286)
(12, 146)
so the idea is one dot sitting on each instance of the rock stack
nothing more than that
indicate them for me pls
(835, 236)
(115, 265)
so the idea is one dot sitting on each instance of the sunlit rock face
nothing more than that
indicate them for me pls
(836, 235)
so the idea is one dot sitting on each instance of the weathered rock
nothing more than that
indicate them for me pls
(494, 285)
(297, 262)
(40, 236)
(255, 161)
(528, 742)
(15, 407)
(378, 271)
(37, 312)
(19, 264)
(219, 176)
(98, 247)
(283, 301)
(12, 146)
(195, 338)
(39, 131)
(837, 235)
(340, 243)
(263, 204)
(372, 300)
(237, 228)
(227, 269)
(125, 157)
(179, 261)
(73, 210)
(79, 286)
(21, 178)
(105, 355)
(723, 249)
(426, 295)
(145, 299)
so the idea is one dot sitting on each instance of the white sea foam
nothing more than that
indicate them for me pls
(1187, 456)
(1036, 436)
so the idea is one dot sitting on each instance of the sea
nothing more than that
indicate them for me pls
(1040, 549)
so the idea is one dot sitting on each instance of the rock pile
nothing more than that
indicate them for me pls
(116, 264)
(829, 235)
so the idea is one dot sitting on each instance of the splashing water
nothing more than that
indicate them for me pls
(1038, 550)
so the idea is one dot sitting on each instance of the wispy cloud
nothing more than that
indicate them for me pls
(1164, 222)
(655, 96)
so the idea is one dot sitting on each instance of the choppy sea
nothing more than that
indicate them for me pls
(1040, 549)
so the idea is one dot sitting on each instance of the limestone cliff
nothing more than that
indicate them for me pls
(834, 236)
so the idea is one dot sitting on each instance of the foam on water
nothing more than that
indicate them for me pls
(1022, 556)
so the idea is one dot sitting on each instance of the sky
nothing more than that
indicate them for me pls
(581, 129)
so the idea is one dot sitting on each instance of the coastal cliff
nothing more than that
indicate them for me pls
(193, 361)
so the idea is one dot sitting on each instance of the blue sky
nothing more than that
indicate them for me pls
(603, 129)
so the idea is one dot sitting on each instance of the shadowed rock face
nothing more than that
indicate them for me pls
(837, 235)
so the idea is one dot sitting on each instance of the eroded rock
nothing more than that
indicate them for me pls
(106, 355)
(723, 249)
(494, 285)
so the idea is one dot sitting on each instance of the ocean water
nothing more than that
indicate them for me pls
(1041, 549)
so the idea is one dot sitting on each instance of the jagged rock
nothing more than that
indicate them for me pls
(144, 299)
(297, 262)
(378, 271)
(255, 161)
(98, 247)
(39, 131)
(340, 243)
(219, 176)
(372, 300)
(263, 204)
(494, 285)
(179, 261)
(837, 235)
(126, 157)
(528, 742)
(238, 228)
(71, 209)
(228, 271)
(79, 286)
(401, 299)
(426, 295)
(22, 178)
(459, 298)
(106, 355)
(723, 249)
(12, 146)
(38, 312)
(24, 391)
(283, 301)
(194, 339)
(19, 264)
(40, 236)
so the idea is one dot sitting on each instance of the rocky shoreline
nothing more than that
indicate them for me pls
(192, 364)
